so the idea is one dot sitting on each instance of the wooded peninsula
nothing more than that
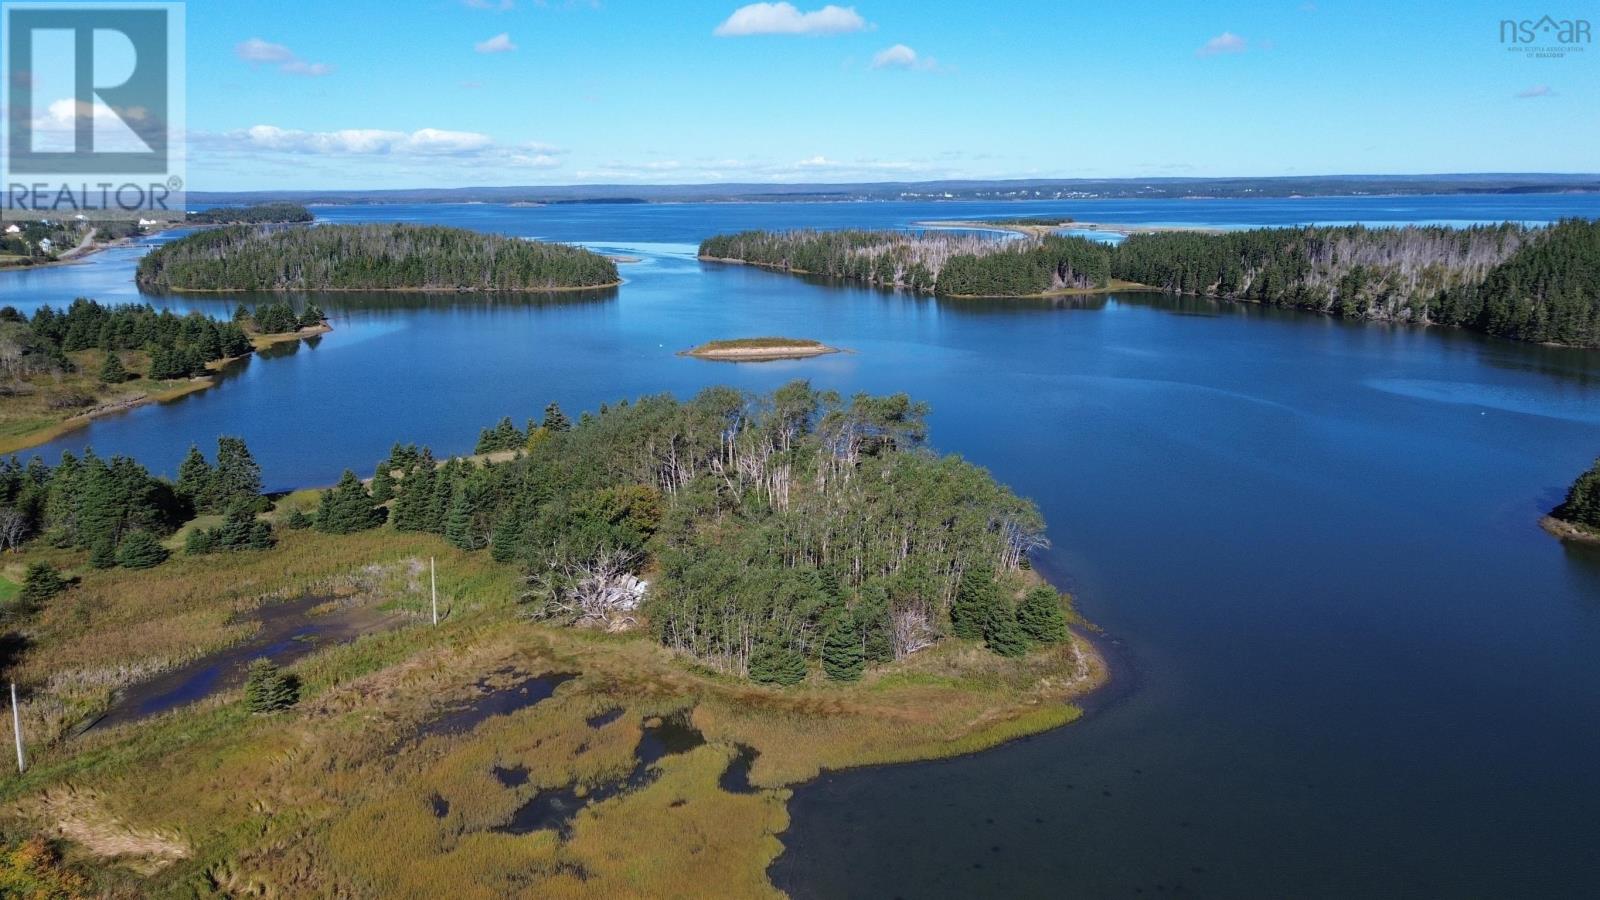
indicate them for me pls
(649, 622)
(1578, 516)
(386, 257)
(257, 214)
(62, 367)
(1523, 283)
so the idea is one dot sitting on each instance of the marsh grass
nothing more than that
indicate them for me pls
(340, 794)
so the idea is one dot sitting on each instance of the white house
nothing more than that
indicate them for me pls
(13, 229)
(46, 244)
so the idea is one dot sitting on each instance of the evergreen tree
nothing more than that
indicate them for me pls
(237, 478)
(40, 584)
(298, 519)
(976, 595)
(112, 371)
(311, 316)
(458, 529)
(1582, 506)
(1001, 632)
(382, 484)
(843, 658)
(140, 550)
(1040, 616)
(103, 553)
(268, 689)
(411, 507)
(200, 541)
(507, 537)
(347, 508)
(555, 419)
(775, 662)
(877, 629)
(195, 480)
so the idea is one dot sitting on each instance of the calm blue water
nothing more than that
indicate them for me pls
(1351, 663)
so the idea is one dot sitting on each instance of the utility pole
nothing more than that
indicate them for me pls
(433, 588)
(16, 728)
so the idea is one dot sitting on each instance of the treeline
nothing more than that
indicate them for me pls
(179, 346)
(368, 257)
(789, 530)
(257, 214)
(1582, 504)
(930, 262)
(1531, 284)
(119, 512)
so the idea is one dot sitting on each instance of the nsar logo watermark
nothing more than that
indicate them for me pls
(94, 99)
(1546, 37)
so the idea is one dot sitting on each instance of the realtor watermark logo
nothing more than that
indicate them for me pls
(94, 111)
(1546, 37)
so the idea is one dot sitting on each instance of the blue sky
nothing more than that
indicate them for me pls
(379, 93)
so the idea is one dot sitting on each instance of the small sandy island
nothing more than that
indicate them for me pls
(759, 349)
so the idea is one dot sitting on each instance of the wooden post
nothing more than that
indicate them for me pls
(433, 588)
(16, 727)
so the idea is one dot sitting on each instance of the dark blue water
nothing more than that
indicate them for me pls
(1361, 668)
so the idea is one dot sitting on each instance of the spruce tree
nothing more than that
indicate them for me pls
(877, 628)
(773, 661)
(40, 584)
(975, 596)
(103, 553)
(268, 689)
(311, 316)
(195, 480)
(1582, 505)
(555, 419)
(112, 372)
(140, 550)
(458, 527)
(1001, 632)
(416, 498)
(843, 658)
(237, 478)
(347, 508)
(1040, 616)
(382, 484)
(507, 537)
(298, 519)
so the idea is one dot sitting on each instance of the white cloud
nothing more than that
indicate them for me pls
(500, 43)
(902, 57)
(422, 144)
(783, 18)
(1226, 42)
(258, 52)
(1538, 90)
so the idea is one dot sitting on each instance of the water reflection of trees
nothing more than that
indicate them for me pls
(353, 301)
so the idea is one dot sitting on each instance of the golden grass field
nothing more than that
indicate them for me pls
(340, 794)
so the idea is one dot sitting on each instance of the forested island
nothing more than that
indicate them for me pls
(60, 367)
(256, 214)
(1578, 516)
(385, 257)
(1523, 283)
(651, 620)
